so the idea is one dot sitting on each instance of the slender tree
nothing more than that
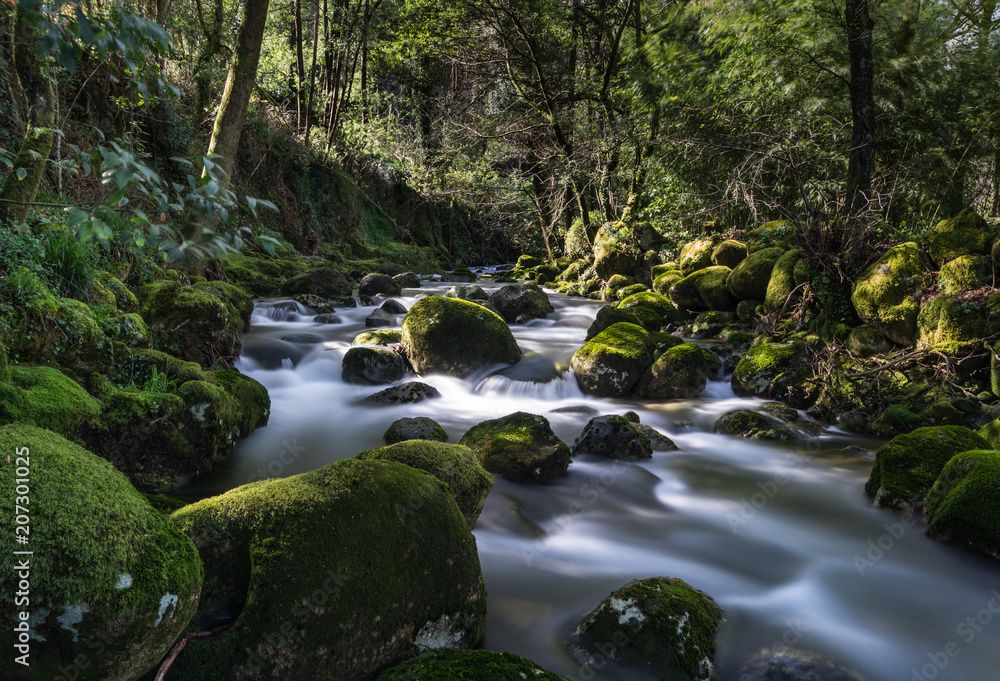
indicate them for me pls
(861, 160)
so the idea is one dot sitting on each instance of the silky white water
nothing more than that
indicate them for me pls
(781, 535)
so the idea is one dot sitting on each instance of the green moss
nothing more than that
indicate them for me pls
(864, 341)
(264, 275)
(773, 370)
(887, 295)
(679, 373)
(4, 365)
(751, 277)
(963, 506)
(965, 272)
(44, 397)
(455, 337)
(521, 447)
(966, 234)
(694, 256)
(454, 465)
(332, 574)
(704, 290)
(665, 308)
(99, 544)
(729, 253)
(630, 290)
(710, 323)
(907, 466)
(751, 424)
(950, 326)
(415, 428)
(777, 233)
(615, 251)
(612, 362)
(661, 625)
(60, 331)
(385, 337)
(782, 281)
(468, 665)
(662, 282)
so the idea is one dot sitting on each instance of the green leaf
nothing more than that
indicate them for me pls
(83, 26)
(116, 196)
(102, 230)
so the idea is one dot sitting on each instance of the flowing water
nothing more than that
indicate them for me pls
(781, 535)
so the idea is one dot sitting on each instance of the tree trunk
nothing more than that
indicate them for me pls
(312, 72)
(300, 69)
(239, 86)
(38, 96)
(861, 161)
(213, 45)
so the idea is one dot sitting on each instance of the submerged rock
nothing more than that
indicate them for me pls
(906, 467)
(963, 506)
(393, 307)
(516, 302)
(405, 393)
(113, 581)
(454, 465)
(377, 318)
(468, 665)
(332, 575)
(613, 437)
(367, 365)
(455, 337)
(521, 447)
(661, 625)
(610, 364)
(415, 428)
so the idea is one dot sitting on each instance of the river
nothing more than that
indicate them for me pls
(781, 535)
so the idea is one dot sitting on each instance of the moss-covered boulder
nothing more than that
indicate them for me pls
(367, 365)
(776, 233)
(415, 428)
(198, 322)
(963, 506)
(455, 337)
(951, 326)
(46, 398)
(705, 289)
(468, 665)
(680, 373)
(696, 255)
(783, 282)
(661, 625)
(323, 281)
(454, 465)
(613, 437)
(405, 393)
(467, 292)
(615, 251)
(864, 341)
(751, 277)
(666, 310)
(906, 467)
(332, 575)
(965, 272)
(407, 280)
(774, 370)
(611, 363)
(612, 314)
(521, 447)
(376, 284)
(729, 253)
(711, 323)
(966, 234)
(112, 581)
(781, 663)
(887, 295)
(753, 425)
(383, 337)
(662, 282)
(519, 303)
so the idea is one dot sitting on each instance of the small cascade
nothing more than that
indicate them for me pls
(279, 311)
(562, 388)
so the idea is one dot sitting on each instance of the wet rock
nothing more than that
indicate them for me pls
(344, 301)
(350, 523)
(887, 295)
(664, 310)
(468, 665)
(774, 370)
(791, 664)
(378, 284)
(407, 280)
(574, 409)
(455, 337)
(383, 337)
(272, 355)
(660, 625)
(326, 282)
(679, 373)
(750, 424)
(658, 441)
(953, 327)
(523, 302)
(405, 393)
(963, 506)
(327, 319)
(460, 274)
(710, 323)
(906, 467)
(663, 281)
(779, 411)
(751, 277)
(379, 318)
(534, 367)
(610, 314)
(467, 292)
(966, 234)
(302, 338)
(109, 572)
(315, 303)
(521, 447)
(415, 428)
(393, 307)
(367, 365)
(613, 437)
(610, 364)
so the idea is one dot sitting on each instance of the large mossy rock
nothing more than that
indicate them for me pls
(414, 428)
(966, 234)
(113, 582)
(468, 665)
(906, 467)
(666, 310)
(887, 295)
(776, 371)
(776, 233)
(375, 284)
(521, 447)
(198, 322)
(751, 277)
(963, 506)
(405, 393)
(46, 398)
(611, 363)
(951, 326)
(965, 272)
(729, 253)
(704, 290)
(664, 280)
(383, 337)
(615, 437)
(680, 373)
(332, 575)
(752, 425)
(371, 365)
(615, 251)
(455, 337)
(517, 302)
(326, 282)
(783, 282)
(612, 314)
(864, 341)
(696, 255)
(661, 625)
(455, 465)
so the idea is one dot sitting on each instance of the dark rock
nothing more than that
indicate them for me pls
(378, 284)
(516, 301)
(377, 318)
(613, 437)
(753, 425)
(394, 307)
(302, 338)
(405, 393)
(324, 281)
(367, 365)
(791, 664)
(415, 428)
(327, 319)
(391, 268)
(521, 447)
(407, 280)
